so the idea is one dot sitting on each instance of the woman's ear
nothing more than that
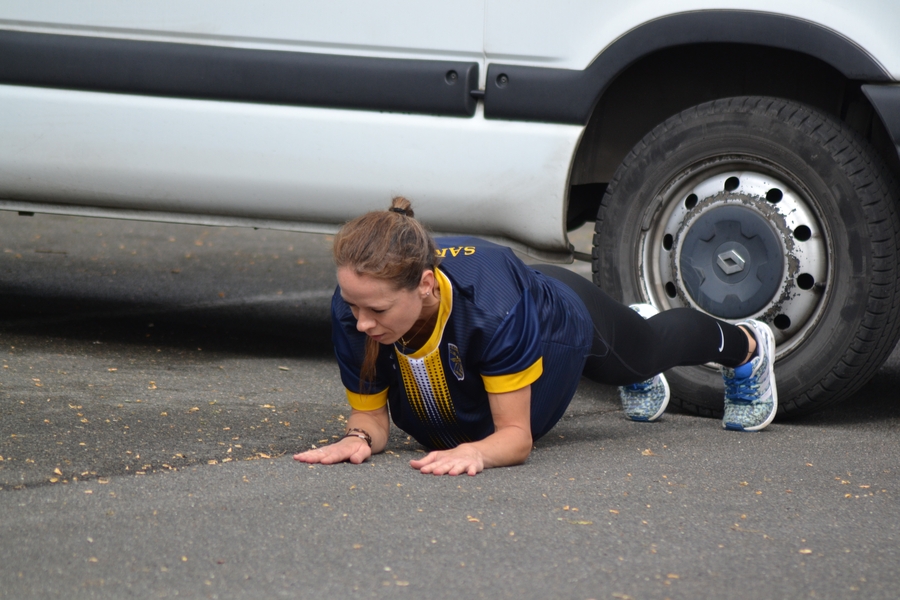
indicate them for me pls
(426, 283)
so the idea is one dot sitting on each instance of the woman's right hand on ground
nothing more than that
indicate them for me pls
(354, 449)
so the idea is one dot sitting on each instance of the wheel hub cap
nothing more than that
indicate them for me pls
(731, 261)
(738, 238)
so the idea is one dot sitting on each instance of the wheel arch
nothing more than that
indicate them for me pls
(681, 60)
(569, 96)
(667, 81)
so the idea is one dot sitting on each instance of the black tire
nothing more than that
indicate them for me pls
(808, 207)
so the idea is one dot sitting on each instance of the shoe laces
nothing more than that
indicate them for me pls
(742, 389)
(641, 386)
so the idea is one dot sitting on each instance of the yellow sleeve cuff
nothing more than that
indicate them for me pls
(500, 384)
(367, 401)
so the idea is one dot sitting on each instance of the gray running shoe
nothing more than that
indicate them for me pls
(647, 400)
(751, 398)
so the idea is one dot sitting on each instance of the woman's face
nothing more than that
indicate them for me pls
(383, 312)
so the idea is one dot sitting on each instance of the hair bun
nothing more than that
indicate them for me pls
(401, 205)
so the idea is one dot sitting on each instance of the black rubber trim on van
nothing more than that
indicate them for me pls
(217, 73)
(886, 100)
(568, 96)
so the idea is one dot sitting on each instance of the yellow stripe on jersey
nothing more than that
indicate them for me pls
(412, 389)
(500, 384)
(444, 310)
(367, 401)
(435, 371)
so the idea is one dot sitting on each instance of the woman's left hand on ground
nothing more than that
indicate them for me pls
(459, 460)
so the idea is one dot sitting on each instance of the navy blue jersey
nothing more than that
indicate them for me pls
(501, 326)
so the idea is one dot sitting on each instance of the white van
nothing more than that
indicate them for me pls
(738, 157)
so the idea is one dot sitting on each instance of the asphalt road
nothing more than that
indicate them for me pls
(155, 380)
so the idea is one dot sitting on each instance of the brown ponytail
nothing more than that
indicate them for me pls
(390, 245)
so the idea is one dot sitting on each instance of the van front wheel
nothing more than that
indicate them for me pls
(761, 208)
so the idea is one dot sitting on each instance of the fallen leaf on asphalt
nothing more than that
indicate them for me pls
(57, 471)
(647, 452)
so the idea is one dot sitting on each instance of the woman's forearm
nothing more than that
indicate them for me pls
(505, 447)
(511, 442)
(376, 423)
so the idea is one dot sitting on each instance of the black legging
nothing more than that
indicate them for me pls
(628, 349)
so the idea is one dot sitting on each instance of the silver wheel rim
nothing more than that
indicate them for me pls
(765, 193)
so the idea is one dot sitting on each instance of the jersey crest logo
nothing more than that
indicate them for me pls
(456, 364)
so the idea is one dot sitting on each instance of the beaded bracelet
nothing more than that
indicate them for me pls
(361, 434)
